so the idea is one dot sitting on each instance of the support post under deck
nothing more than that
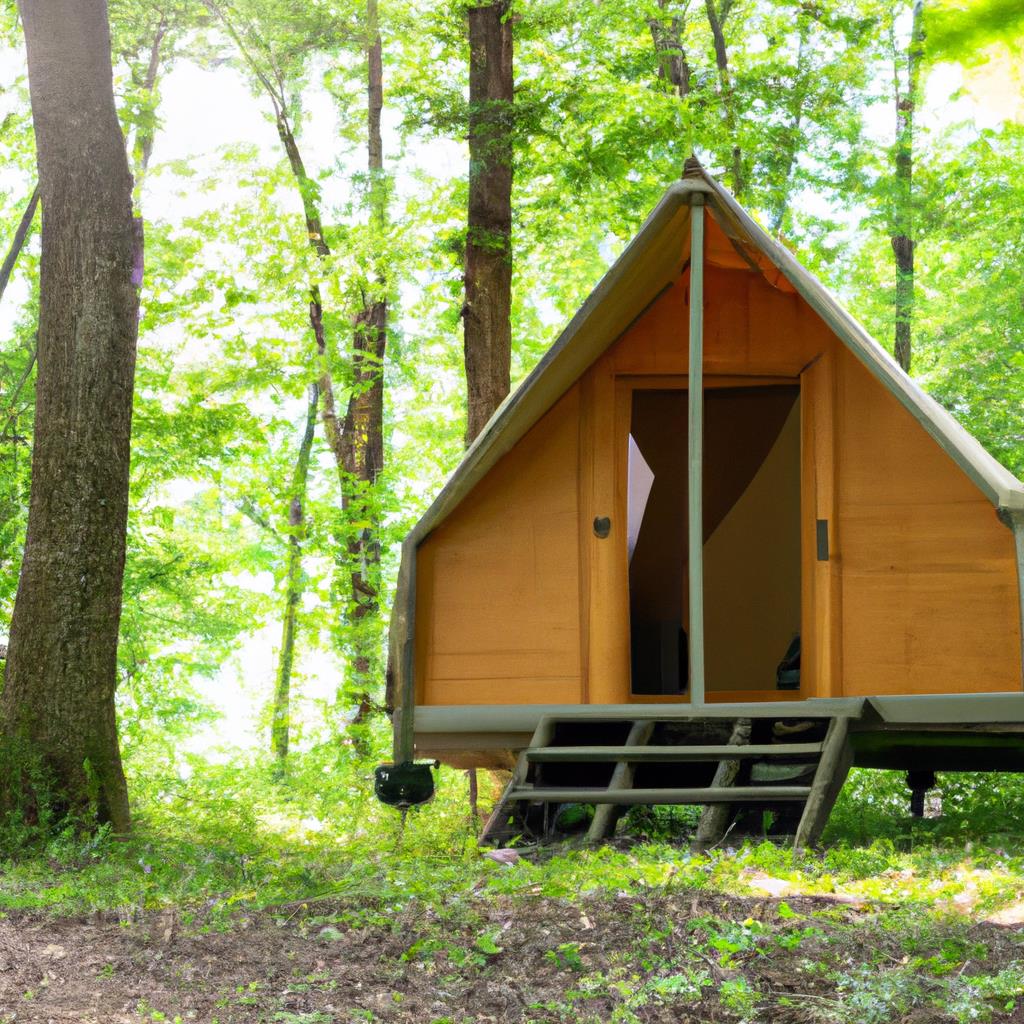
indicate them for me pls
(695, 497)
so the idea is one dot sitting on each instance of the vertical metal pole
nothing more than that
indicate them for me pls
(696, 449)
(405, 713)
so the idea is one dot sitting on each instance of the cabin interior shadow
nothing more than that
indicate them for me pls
(751, 539)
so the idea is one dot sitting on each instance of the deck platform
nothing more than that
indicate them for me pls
(754, 755)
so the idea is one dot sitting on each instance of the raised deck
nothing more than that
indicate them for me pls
(613, 756)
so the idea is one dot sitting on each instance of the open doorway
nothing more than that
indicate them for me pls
(751, 541)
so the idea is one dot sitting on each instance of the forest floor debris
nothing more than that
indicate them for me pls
(661, 956)
(223, 907)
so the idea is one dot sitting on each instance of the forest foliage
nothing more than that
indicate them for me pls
(792, 104)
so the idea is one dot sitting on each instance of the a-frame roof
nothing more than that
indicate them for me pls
(651, 261)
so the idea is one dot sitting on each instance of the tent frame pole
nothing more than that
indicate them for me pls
(695, 437)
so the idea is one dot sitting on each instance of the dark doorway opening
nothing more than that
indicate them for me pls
(751, 537)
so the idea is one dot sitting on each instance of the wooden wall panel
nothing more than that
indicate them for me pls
(608, 597)
(498, 612)
(821, 648)
(929, 591)
(658, 342)
(750, 328)
(519, 602)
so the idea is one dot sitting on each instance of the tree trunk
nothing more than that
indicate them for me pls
(363, 435)
(145, 135)
(487, 314)
(668, 45)
(280, 727)
(902, 239)
(61, 668)
(716, 19)
(356, 440)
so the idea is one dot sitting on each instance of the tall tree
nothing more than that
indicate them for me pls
(356, 437)
(363, 436)
(487, 314)
(281, 725)
(906, 91)
(667, 36)
(58, 697)
(148, 37)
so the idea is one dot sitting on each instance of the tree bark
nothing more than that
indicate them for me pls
(364, 419)
(487, 314)
(902, 238)
(58, 696)
(716, 19)
(281, 725)
(668, 45)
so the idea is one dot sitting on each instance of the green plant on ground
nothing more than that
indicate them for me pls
(738, 995)
(566, 955)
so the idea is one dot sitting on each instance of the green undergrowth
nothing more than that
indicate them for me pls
(889, 917)
(210, 839)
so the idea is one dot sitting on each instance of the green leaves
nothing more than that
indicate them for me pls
(958, 31)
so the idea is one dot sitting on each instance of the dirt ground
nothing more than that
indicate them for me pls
(329, 964)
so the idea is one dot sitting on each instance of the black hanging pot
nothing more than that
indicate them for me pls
(404, 785)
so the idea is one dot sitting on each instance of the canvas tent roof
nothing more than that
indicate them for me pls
(651, 261)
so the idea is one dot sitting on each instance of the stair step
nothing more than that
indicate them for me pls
(700, 795)
(580, 755)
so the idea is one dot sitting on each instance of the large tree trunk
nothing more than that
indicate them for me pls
(363, 435)
(58, 697)
(487, 314)
(281, 724)
(902, 238)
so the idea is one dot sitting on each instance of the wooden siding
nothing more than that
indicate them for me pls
(929, 589)
(519, 602)
(498, 613)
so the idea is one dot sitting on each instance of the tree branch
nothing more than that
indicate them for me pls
(19, 240)
(277, 98)
(11, 413)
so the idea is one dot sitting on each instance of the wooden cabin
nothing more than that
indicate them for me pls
(716, 496)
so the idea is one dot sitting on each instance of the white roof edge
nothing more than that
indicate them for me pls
(998, 484)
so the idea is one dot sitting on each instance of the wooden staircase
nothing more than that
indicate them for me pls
(766, 762)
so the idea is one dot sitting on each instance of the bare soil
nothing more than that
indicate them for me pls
(328, 964)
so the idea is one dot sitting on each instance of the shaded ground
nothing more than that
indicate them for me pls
(668, 957)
